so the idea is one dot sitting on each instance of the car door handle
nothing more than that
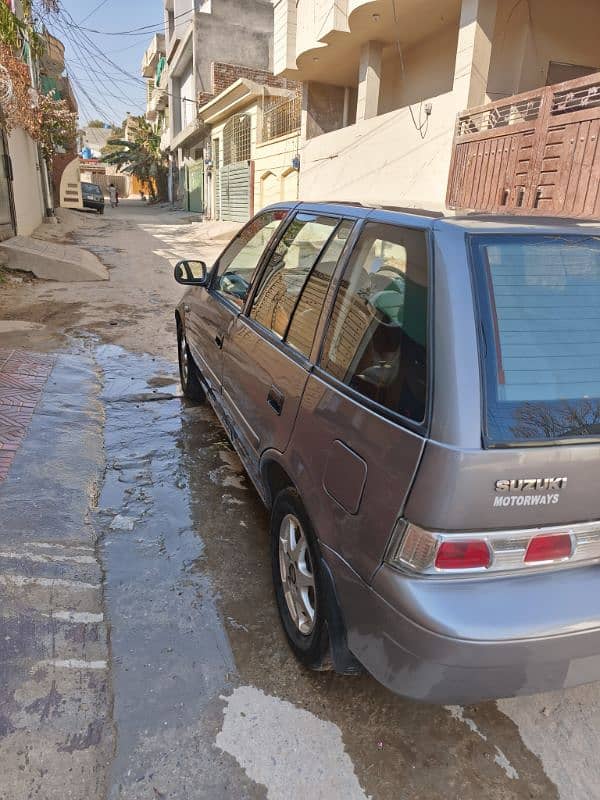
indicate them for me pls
(275, 399)
(219, 338)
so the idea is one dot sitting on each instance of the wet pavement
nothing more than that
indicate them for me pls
(141, 656)
(209, 701)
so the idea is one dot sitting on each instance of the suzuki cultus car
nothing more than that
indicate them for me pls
(417, 401)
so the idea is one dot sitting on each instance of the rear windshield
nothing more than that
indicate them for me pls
(92, 188)
(540, 302)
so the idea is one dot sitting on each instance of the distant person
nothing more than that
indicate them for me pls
(113, 195)
(117, 195)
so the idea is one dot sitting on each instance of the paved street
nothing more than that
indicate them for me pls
(141, 656)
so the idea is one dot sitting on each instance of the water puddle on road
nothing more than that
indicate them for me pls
(208, 700)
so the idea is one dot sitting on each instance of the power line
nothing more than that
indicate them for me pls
(92, 104)
(87, 42)
(157, 27)
(93, 11)
(80, 50)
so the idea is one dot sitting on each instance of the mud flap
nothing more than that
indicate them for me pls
(344, 662)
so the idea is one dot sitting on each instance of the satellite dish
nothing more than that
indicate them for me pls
(6, 87)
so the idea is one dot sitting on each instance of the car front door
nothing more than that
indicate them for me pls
(210, 310)
(267, 351)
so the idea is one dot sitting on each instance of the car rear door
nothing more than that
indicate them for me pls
(267, 351)
(361, 426)
(211, 310)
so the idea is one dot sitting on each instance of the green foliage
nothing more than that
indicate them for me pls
(141, 156)
(116, 133)
(15, 31)
(95, 123)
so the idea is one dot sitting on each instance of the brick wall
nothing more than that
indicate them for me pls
(204, 97)
(223, 75)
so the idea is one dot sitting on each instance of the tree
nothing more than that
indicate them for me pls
(142, 157)
(116, 133)
(46, 119)
(95, 123)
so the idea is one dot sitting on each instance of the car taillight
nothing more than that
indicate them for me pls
(549, 547)
(434, 553)
(467, 554)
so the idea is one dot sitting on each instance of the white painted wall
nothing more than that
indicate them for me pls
(383, 160)
(188, 96)
(428, 70)
(27, 187)
(70, 186)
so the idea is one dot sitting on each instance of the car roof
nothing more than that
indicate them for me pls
(469, 222)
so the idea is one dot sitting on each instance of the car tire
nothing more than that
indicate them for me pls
(188, 371)
(298, 583)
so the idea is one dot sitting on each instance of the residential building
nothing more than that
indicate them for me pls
(385, 80)
(93, 139)
(254, 141)
(65, 175)
(156, 73)
(199, 33)
(25, 193)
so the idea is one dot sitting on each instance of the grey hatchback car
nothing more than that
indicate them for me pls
(417, 401)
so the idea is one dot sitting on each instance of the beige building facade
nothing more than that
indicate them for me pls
(384, 81)
(255, 138)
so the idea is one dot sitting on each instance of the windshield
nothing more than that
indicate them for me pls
(540, 302)
(91, 188)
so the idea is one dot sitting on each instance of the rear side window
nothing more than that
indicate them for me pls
(540, 303)
(284, 276)
(377, 338)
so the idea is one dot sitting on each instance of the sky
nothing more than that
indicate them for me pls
(107, 91)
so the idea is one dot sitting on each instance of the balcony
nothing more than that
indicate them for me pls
(165, 139)
(320, 40)
(152, 55)
(160, 97)
(534, 153)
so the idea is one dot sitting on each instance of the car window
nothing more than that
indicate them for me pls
(304, 322)
(288, 268)
(376, 342)
(236, 266)
(539, 301)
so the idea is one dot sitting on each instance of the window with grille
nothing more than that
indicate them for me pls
(236, 140)
(281, 118)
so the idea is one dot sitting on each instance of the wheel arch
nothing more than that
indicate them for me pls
(275, 478)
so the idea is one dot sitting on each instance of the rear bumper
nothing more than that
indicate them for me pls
(96, 205)
(466, 641)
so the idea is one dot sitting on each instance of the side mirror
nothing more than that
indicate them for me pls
(190, 273)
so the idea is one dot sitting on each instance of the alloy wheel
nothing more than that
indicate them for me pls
(183, 358)
(297, 575)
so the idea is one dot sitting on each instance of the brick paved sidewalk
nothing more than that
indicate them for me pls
(23, 376)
